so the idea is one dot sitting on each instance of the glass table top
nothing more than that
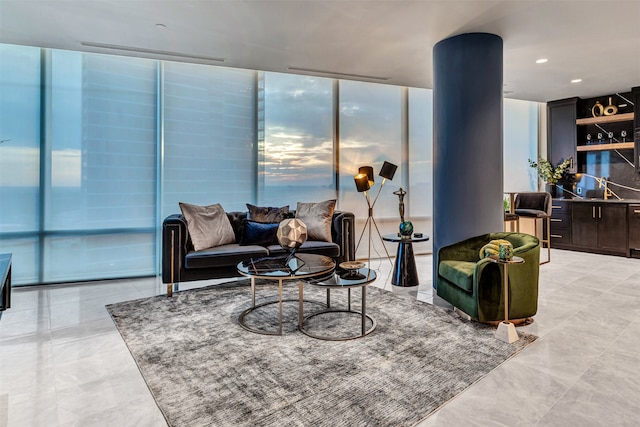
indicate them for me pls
(298, 267)
(346, 278)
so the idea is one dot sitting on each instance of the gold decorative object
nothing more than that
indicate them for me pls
(597, 110)
(610, 109)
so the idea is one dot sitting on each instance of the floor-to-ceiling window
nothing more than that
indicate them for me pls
(99, 169)
(97, 149)
(296, 157)
(420, 163)
(371, 124)
(20, 158)
(209, 137)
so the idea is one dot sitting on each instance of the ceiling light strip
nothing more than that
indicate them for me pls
(336, 73)
(151, 51)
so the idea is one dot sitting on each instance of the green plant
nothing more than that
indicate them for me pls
(547, 172)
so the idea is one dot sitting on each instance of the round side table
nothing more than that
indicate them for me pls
(405, 272)
(506, 330)
(348, 280)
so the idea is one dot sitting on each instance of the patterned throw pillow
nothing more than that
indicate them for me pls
(267, 214)
(492, 248)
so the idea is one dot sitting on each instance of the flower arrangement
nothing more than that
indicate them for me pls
(547, 172)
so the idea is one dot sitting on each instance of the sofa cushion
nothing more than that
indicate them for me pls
(267, 214)
(208, 225)
(460, 273)
(329, 249)
(223, 256)
(259, 233)
(317, 217)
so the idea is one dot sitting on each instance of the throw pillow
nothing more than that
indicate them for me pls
(317, 217)
(259, 233)
(492, 248)
(267, 214)
(208, 226)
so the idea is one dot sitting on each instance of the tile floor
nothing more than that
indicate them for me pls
(63, 363)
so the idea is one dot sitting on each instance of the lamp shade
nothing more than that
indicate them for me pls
(388, 170)
(362, 182)
(367, 170)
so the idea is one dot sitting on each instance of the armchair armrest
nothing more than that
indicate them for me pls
(467, 250)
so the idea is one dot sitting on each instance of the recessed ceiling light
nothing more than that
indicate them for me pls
(541, 61)
(576, 80)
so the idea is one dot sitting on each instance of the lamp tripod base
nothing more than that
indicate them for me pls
(506, 332)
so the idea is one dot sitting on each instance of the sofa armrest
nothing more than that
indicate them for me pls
(175, 241)
(343, 234)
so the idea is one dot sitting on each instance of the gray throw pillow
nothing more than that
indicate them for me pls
(317, 217)
(208, 226)
(267, 214)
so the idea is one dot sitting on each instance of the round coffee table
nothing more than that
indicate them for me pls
(300, 267)
(343, 279)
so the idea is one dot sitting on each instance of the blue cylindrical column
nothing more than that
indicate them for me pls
(467, 139)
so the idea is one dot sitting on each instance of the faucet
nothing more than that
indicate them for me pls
(605, 184)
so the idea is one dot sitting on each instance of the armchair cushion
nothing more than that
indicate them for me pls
(460, 273)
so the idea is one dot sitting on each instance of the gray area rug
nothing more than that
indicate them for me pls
(205, 370)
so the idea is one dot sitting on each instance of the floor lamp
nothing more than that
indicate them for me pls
(364, 181)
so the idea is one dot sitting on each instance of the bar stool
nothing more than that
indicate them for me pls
(536, 205)
(512, 219)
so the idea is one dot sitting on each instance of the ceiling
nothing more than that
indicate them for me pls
(387, 41)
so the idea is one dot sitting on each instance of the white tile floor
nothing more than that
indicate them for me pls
(63, 363)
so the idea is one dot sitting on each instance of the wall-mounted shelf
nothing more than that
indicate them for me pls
(605, 147)
(605, 119)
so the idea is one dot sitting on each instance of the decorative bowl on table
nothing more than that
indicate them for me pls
(351, 268)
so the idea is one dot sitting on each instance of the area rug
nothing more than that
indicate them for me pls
(203, 369)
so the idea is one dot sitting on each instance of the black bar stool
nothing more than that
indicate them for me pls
(536, 205)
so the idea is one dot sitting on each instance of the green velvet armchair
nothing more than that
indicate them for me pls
(475, 286)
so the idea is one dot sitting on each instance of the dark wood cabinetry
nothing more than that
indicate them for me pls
(635, 94)
(606, 227)
(633, 219)
(561, 131)
(560, 223)
(576, 127)
(600, 226)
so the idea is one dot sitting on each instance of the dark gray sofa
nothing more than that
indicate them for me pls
(181, 263)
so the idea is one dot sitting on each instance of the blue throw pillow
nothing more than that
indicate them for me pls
(259, 233)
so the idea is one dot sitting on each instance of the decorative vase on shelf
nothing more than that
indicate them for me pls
(556, 190)
(551, 189)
